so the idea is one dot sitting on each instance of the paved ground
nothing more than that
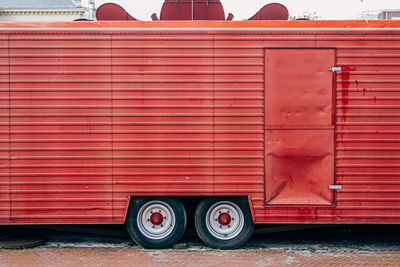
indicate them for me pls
(333, 246)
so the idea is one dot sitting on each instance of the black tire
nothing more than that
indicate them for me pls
(224, 233)
(150, 232)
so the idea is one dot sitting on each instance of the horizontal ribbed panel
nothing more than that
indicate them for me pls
(4, 128)
(368, 132)
(50, 162)
(367, 136)
(87, 120)
(107, 119)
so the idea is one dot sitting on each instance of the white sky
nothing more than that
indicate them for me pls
(326, 9)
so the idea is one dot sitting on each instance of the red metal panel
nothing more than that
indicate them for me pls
(334, 28)
(299, 167)
(4, 131)
(299, 88)
(185, 110)
(299, 126)
(60, 128)
(238, 119)
(163, 124)
(368, 129)
(367, 152)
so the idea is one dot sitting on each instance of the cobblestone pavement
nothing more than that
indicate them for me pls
(339, 246)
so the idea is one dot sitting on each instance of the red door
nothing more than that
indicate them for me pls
(299, 126)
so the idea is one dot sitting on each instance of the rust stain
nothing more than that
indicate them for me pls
(346, 73)
(364, 91)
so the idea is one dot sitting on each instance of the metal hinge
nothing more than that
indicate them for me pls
(335, 187)
(335, 69)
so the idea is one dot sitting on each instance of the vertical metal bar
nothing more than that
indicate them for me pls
(9, 130)
(192, 9)
(213, 111)
(264, 127)
(334, 115)
(112, 126)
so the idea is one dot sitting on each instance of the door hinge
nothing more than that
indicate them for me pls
(335, 69)
(335, 187)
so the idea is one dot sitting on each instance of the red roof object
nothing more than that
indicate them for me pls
(230, 16)
(272, 11)
(154, 17)
(192, 10)
(112, 11)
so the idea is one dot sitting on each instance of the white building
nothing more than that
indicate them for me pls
(386, 14)
(41, 10)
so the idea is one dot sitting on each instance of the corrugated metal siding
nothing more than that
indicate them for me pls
(239, 117)
(188, 117)
(96, 117)
(367, 140)
(4, 132)
(163, 124)
(61, 128)
(368, 131)
(177, 116)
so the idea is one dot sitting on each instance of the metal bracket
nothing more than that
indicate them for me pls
(335, 187)
(335, 69)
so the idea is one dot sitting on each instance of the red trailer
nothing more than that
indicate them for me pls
(255, 122)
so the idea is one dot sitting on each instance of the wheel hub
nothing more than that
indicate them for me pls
(156, 219)
(224, 219)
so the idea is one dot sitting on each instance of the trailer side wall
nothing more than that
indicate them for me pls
(90, 118)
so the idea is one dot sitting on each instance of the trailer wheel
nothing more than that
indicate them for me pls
(224, 224)
(156, 222)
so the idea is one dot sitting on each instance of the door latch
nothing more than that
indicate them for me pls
(335, 69)
(335, 187)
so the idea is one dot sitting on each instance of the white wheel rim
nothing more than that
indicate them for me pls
(225, 231)
(159, 230)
